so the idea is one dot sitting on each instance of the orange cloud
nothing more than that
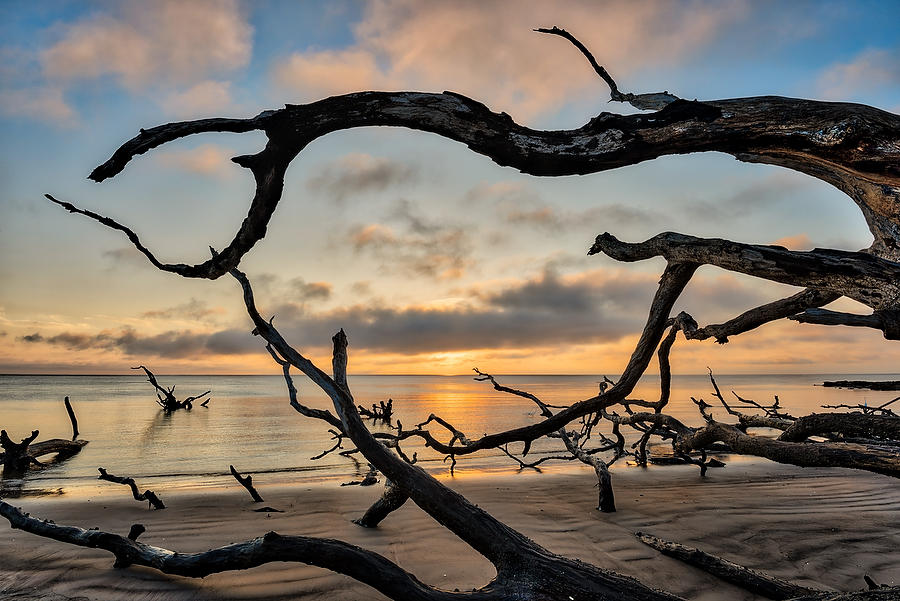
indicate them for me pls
(795, 242)
(205, 98)
(207, 159)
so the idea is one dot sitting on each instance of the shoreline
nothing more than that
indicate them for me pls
(815, 527)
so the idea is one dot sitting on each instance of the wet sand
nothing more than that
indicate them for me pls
(824, 528)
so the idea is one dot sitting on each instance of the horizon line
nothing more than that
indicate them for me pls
(90, 375)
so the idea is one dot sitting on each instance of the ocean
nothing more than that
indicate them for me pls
(250, 424)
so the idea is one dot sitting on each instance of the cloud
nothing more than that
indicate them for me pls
(207, 159)
(327, 73)
(870, 70)
(42, 103)
(795, 242)
(418, 246)
(756, 197)
(143, 43)
(200, 100)
(519, 204)
(300, 288)
(125, 256)
(487, 49)
(193, 309)
(598, 306)
(355, 173)
(170, 344)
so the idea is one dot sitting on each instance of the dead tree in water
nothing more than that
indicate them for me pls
(853, 147)
(18, 456)
(165, 397)
(382, 412)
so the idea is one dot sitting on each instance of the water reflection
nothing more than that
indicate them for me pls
(250, 424)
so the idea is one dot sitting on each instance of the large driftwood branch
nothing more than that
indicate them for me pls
(671, 284)
(522, 565)
(861, 276)
(750, 580)
(862, 456)
(366, 566)
(852, 425)
(852, 147)
(786, 307)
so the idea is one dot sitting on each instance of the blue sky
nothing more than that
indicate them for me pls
(433, 258)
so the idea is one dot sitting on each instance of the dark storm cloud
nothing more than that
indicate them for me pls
(356, 173)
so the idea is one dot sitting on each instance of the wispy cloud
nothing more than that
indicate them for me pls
(356, 173)
(193, 309)
(207, 159)
(416, 245)
(870, 71)
(206, 98)
(519, 204)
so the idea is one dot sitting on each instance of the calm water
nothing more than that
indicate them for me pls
(250, 424)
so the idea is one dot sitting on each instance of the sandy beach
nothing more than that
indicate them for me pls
(824, 528)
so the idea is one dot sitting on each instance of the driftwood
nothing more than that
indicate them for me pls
(18, 456)
(884, 385)
(392, 499)
(165, 397)
(750, 580)
(153, 501)
(382, 412)
(853, 147)
(246, 482)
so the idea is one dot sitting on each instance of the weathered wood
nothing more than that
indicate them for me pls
(17, 457)
(883, 385)
(165, 397)
(855, 425)
(72, 417)
(392, 499)
(246, 482)
(756, 582)
(852, 147)
(148, 495)
(861, 276)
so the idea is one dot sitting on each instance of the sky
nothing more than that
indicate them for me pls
(433, 259)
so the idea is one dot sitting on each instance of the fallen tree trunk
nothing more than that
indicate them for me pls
(856, 425)
(757, 583)
(868, 385)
